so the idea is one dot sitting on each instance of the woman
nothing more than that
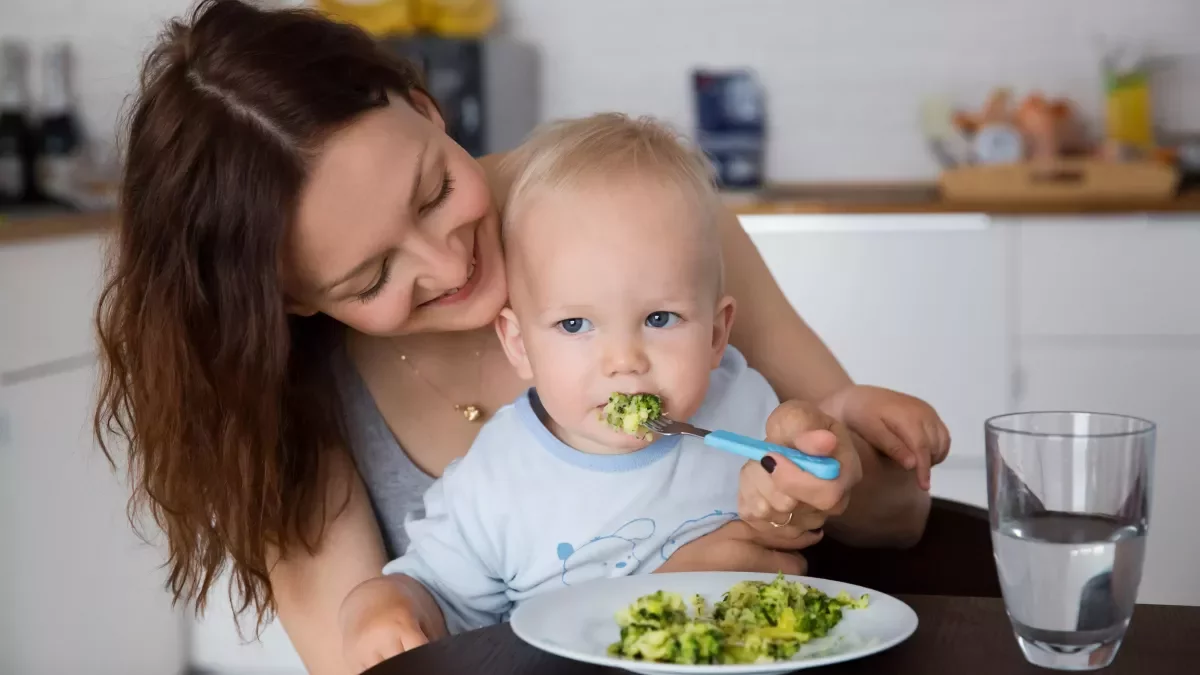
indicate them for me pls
(304, 282)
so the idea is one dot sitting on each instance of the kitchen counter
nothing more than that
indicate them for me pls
(910, 198)
(785, 199)
(43, 223)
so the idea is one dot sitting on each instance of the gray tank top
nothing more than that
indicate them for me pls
(395, 485)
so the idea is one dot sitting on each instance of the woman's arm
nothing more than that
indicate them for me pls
(309, 589)
(887, 506)
(768, 331)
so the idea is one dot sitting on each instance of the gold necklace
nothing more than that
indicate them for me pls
(472, 412)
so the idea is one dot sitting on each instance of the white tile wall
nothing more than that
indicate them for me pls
(844, 76)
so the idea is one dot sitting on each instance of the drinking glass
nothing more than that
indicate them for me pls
(1069, 504)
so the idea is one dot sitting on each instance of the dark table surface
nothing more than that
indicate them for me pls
(956, 636)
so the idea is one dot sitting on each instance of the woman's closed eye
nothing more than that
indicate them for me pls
(574, 326)
(385, 273)
(447, 186)
(662, 319)
(440, 198)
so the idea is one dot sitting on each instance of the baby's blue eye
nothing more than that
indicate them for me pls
(662, 319)
(575, 326)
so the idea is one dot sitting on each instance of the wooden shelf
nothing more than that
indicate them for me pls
(45, 224)
(798, 199)
(884, 198)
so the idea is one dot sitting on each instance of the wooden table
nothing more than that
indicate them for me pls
(957, 636)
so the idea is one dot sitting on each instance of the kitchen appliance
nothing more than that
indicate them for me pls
(489, 89)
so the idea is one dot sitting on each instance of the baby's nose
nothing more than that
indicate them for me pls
(626, 357)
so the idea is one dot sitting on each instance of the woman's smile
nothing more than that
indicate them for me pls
(462, 293)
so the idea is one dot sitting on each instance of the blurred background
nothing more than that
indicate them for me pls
(986, 204)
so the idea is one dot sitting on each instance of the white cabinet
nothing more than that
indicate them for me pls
(1109, 322)
(914, 303)
(48, 291)
(80, 591)
(1162, 385)
(1131, 276)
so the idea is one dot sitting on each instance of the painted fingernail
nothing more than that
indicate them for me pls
(817, 531)
(768, 463)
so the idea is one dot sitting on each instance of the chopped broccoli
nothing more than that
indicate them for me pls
(627, 412)
(755, 622)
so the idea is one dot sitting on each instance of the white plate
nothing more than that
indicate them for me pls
(578, 622)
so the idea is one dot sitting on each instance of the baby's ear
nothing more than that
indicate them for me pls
(509, 330)
(722, 326)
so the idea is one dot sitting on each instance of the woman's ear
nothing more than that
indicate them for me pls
(509, 330)
(294, 306)
(422, 103)
(722, 326)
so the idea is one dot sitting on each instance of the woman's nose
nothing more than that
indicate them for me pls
(444, 264)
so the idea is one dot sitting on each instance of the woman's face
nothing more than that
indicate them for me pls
(396, 231)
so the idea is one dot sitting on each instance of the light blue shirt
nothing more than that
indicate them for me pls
(523, 513)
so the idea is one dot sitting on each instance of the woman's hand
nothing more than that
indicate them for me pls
(755, 543)
(386, 616)
(782, 502)
(903, 427)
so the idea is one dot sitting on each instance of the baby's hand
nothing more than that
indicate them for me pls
(903, 427)
(378, 622)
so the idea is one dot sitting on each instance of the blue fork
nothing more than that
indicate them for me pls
(825, 468)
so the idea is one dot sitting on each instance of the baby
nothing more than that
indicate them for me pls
(616, 285)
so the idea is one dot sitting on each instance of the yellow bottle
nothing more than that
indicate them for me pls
(1129, 115)
(380, 18)
(456, 18)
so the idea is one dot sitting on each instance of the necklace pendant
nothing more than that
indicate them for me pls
(471, 412)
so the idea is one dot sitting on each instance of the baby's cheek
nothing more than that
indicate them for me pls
(682, 375)
(563, 384)
(687, 393)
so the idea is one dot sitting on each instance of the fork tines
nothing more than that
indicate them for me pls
(658, 426)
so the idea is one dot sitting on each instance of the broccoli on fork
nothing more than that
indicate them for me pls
(628, 412)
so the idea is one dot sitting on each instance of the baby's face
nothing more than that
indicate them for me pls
(612, 291)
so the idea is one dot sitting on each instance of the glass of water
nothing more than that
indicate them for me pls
(1069, 502)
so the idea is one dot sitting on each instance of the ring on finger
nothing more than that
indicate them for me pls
(785, 523)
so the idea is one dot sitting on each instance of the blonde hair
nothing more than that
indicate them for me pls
(608, 145)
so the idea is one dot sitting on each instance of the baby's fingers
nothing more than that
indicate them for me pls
(920, 446)
(943, 449)
(878, 434)
(385, 641)
(412, 637)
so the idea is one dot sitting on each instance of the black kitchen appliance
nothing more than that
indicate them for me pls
(488, 89)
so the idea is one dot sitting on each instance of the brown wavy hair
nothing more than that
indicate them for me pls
(223, 402)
